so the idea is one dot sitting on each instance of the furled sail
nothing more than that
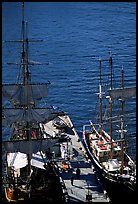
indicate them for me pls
(24, 95)
(29, 147)
(123, 93)
(13, 115)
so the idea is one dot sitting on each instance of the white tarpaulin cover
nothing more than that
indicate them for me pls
(17, 160)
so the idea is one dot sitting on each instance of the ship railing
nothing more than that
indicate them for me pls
(64, 190)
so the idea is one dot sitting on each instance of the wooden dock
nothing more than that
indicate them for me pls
(87, 187)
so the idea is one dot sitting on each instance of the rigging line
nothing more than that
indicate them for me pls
(32, 94)
(43, 158)
(118, 116)
(107, 110)
(12, 161)
(96, 118)
(42, 98)
(19, 71)
(115, 121)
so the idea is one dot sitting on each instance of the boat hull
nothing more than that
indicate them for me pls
(13, 196)
(114, 187)
(36, 192)
(44, 179)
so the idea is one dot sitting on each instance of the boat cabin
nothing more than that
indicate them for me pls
(101, 148)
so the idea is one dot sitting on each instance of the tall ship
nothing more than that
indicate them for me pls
(113, 164)
(38, 137)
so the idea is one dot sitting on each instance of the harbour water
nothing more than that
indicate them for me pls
(75, 35)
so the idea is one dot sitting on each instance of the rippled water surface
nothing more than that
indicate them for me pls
(75, 35)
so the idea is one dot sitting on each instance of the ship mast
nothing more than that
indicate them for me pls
(23, 45)
(110, 101)
(100, 96)
(122, 128)
(25, 72)
(24, 54)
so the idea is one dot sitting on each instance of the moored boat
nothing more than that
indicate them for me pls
(38, 137)
(113, 164)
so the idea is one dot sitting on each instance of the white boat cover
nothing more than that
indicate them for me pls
(17, 160)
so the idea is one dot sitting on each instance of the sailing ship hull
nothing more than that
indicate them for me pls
(114, 187)
(12, 196)
(41, 194)
(39, 189)
(44, 183)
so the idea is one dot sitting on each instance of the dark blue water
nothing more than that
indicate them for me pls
(75, 35)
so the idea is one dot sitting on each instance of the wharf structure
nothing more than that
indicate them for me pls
(86, 187)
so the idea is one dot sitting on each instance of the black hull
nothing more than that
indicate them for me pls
(115, 189)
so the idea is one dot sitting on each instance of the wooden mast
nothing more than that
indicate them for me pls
(110, 101)
(122, 128)
(100, 96)
(23, 45)
(25, 73)
(122, 88)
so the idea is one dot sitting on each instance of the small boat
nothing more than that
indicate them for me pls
(116, 169)
(38, 137)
